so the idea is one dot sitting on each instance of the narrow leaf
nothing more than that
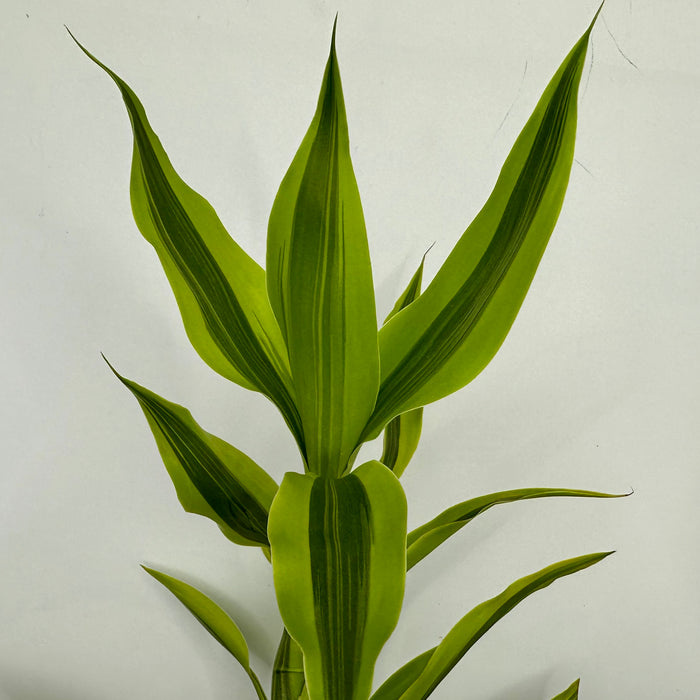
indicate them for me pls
(220, 290)
(477, 622)
(402, 434)
(428, 537)
(571, 693)
(288, 672)
(211, 477)
(450, 333)
(339, 561)
(214, 619)
(320, 286)
(401, 680)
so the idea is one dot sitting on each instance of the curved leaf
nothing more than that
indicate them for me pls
(477, 622)
(320, 286)
(450, 333)
(288, 672)
(401, 680)
(402, 434)
(571, 693)
(220, 290)
(211, 477)
(339, 562)
(426, 538)
(213, 619)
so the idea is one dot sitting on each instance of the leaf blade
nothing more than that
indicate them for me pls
(338, 561)
(426, 538)
(320, 286)
(220, 290)
(571, 693)
(443, 340)
(211, 477)
(214, 619)
(288, 681)
(480, 619)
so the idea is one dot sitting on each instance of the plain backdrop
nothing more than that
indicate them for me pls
(596, 386)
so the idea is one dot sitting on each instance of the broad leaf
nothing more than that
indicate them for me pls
(214, 619)
(402, 434)
(450, 333)
(339, 561)
(211, 477)
(288, 672)
(220, 290)
(320, 286)
(571, 693)
(477, 622)
(428, 537)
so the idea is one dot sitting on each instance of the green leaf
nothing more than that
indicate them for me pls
(288, 672)
(424, 539)
(571, 693)
(451, 332)
(211, 477)
(320, 286)
(339, 562)
(220, 290)
(402, 434)
(401, 680)
(215, 621)
(477, 622)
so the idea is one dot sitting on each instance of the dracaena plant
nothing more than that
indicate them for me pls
(304, 333)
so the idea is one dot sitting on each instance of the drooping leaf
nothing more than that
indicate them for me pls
(339, 561)
(288, 672)
(451, 332)
(211, 477)
(220, 290)
(426, 538)
(402, 434)
(320, 286)
(477, 622)
(571, 693)
(401, 680)
(214, 620)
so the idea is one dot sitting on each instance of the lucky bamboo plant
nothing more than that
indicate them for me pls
(304, 333)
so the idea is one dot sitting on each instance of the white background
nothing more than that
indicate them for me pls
(596, 386)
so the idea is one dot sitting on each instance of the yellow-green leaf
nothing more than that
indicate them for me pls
(571, 693)
(320, 286)
(450, 333)
(288, 671)
(213, 619)
(220, 290)
(339, 562)
(477, 622)
(424, 539)
(211, 477)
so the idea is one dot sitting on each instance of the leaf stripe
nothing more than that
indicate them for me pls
(340, 582)
(457, 319)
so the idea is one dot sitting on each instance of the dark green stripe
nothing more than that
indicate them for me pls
(221, 310)
(339, 545)
(226, 496)
(288, 673)
(457, 319)
(392, 443)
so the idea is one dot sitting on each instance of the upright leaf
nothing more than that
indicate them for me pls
(571, 693)
(339, 562)
(211, 477)
(220, 290)
(477, 622)
(288, 672)
(402, 434)
(320, 286)
(424, 539)
(450, 333)
(214, 620)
